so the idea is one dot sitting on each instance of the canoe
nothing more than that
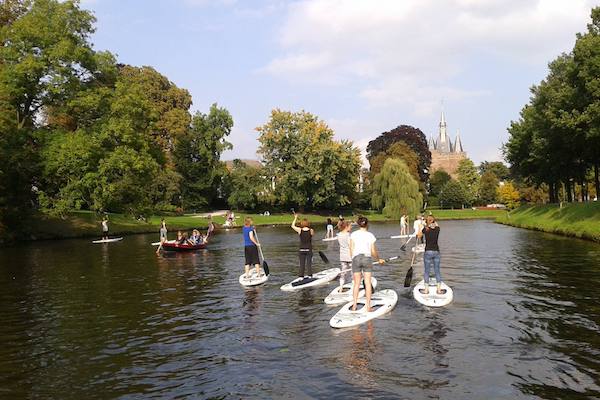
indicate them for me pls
(382, 302)
(433, 299)
(182, 247)
(337, 297)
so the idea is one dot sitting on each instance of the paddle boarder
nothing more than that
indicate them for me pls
(403, 225)
(105, 227)
(250, 247)
(343, 238)
(363, 250)
(431, 258)
(329, 233)
(305, 253)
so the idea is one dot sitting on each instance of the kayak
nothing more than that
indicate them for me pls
(433, 299)
(331, 239)
(182, 247)
(382, 302)
(320, 278)
(107, 240)
(420, 248)
(401, 236)
(337, 297)
(253, 279)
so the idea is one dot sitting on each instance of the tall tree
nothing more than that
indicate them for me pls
(399, 150)
(469, 178)
(413, 137)
(310, 168)
(453, 195)
(488, 188)
(508, 195)
(395, 191)
(437, 181)
(250, 187)
(496, 167)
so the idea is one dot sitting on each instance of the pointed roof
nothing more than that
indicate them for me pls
(442, 119)
(458, 148)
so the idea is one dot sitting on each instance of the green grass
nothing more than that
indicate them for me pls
(87, 224)
(581, 220)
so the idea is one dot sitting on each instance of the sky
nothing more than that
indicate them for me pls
(364, 67)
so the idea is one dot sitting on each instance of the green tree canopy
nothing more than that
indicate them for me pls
(488, 188)
(250, 187)
(453, 195)
(496, 167)
(437, 181)
(399, 150)
(469, 179)
(310, 168)
(395, 191)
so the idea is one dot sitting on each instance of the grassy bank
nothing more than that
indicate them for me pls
(581, 220)
(87, 224)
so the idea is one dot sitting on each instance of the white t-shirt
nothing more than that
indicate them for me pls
(402, 221)
(362, 241)
(344, 241)
(417, 225)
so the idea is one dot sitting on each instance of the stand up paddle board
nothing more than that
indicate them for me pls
(331, 239)
(107, 240)
(420, 248)
(382, 302)
(166, 241)
(320, 278)
(433, 299)
(337, 297)
(253, 279)
(401, 236)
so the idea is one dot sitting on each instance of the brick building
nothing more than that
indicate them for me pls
(445, 154)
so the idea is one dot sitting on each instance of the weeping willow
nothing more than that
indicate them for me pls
(395, 191)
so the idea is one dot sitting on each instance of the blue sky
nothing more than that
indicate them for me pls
(362, 66)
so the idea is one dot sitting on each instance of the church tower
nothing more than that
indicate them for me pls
(445, 154)
(443, 142)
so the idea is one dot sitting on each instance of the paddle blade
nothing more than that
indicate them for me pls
(266, 268)
(408, 278)
(323, 257)
(403, 247)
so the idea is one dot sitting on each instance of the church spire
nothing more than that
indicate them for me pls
(443, 120)
(458, 148)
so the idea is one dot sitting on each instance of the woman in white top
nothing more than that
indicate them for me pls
(418, 227)
(345, 258)
(403, 225)
(363, 250)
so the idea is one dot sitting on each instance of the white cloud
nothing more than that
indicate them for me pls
(410, 51)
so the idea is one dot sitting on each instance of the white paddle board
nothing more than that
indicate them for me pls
(107, 240)
(382, 302)
(401, 236)
(166, 241)
(253, 279)
(320, 278)
(433, 299)
(337, 297)
(331, 239)
(420, 248)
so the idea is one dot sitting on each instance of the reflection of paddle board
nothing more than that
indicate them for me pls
(382, 302)
(401, 236)
(253, 279)
(433, 299)
(320, 278)
(107, 240)
(337, 297)
(330, 239)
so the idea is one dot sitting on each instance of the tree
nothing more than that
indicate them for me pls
(310, 168)
(250, 187)
(496, 167)
(395, 191)
(437, 181)
(10, 10)
(508, 195)
(413, 137)
(198, 156)
(453, 195)
(469, 178)
(488, 188)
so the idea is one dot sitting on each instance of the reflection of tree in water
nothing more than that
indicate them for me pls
(559, 317)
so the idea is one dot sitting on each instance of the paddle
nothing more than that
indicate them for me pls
(264, 262)
(409, 273)
(403, 247)
(323, 257)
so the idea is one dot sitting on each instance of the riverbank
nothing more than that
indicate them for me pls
(581, 220)
(87, 224)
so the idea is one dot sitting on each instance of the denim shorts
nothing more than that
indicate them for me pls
(362, 263)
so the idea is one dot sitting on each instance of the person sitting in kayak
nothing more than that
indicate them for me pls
(250, 247)
(305, 252)
(343, 238)
(363, 250)
(431, 258)
(195, 238)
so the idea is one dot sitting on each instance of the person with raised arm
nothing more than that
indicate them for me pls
(305, 253)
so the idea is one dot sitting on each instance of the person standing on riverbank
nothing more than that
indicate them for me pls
(431, 258)
(343, 238)
(363, 250)
(305, 252)
(250, 247)
(105, 227)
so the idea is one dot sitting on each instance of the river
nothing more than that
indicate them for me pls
(79, 320)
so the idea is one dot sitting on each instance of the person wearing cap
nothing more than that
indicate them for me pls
(363, 250)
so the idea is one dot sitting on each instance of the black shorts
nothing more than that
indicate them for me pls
(251, 253)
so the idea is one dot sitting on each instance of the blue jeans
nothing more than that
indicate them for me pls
(432, 259)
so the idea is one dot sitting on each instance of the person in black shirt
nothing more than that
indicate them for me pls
(305, 254)
(431, 258)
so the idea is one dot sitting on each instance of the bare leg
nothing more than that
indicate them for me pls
(368, 289)
(257, 269)
(356, 278)
(247, 268)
